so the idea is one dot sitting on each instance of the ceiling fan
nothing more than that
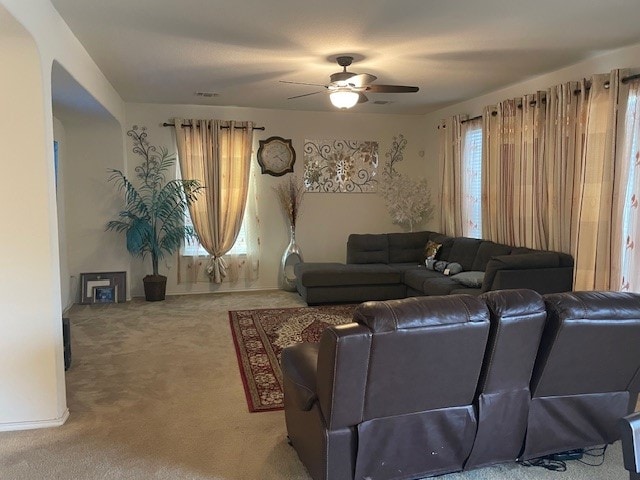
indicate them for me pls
(346, 89)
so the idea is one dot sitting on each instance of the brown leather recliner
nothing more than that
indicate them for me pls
(629, 428)
(517, 321)
(391, 395)
(587, 374)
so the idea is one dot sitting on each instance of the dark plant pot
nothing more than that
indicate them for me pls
(155, 286)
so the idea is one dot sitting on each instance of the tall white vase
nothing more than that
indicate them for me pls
(290, 258)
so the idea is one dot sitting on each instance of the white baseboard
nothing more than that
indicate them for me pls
(14, 426)
(239, 290)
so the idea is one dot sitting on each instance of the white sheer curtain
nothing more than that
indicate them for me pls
(460, 154)
(629, 272)
(472, 178)
(251, 259)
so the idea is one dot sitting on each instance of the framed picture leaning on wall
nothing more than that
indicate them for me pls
(103, 287)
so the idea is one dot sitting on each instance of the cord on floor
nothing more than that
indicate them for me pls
(557, 462)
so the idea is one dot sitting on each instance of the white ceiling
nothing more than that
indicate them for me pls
(162, 51)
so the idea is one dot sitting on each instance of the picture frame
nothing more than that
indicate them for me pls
(340, 165)
(104, 294)
(102, 281)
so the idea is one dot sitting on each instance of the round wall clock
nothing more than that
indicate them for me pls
(276, 156)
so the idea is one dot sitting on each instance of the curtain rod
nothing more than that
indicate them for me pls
(607, 84)
(533, 102)
(471, 119)
(630, 77)
(463, 121)
(587, 87)
(185, 125)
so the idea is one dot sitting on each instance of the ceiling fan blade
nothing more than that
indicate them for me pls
(391, 89)
(304, 95)
(361, 79)
(362, 98)
(301, 83)
(341, 77)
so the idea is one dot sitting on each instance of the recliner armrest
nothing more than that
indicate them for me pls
(630, 436)
(542, 280)
(536, 260)
(299, 366)
(343, 361)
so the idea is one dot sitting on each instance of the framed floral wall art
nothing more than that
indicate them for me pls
(340, 166)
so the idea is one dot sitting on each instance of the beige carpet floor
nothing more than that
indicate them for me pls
(154, 393)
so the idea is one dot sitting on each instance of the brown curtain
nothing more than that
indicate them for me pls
(603, 230)
(594, 246)
(532, 168)
(514, 187)
(451, 195)
(555, 176)
(564, 143)
(217, 153)
(549, 169)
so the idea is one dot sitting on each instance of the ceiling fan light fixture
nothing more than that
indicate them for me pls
(344, 98)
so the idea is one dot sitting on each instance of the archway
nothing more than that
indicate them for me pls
(31, 365)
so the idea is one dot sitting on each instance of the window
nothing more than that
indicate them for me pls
(472, 179)
(193, 248)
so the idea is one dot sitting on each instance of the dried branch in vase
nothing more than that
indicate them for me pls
(290, 194)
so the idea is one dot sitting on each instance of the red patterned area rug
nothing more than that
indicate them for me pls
(259, 337)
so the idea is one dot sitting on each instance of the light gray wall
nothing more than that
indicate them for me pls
(67, 289)
(93, 145)
(326, 218)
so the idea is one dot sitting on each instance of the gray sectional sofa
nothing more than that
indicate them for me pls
(390, 266)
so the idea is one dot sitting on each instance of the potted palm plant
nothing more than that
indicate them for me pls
(153, 216)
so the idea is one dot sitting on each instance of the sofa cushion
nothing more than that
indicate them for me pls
(486, 250)
(464, 251)
(466, 291)
(368, 248)
(415, 278)
(439, 237)
(405, 266)
(565, 259)
(521, 250)
(407, 247)
(445, 250)
(439, 286)
(301, 269)
(469, 279)
(518, 262)
(354, 274)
